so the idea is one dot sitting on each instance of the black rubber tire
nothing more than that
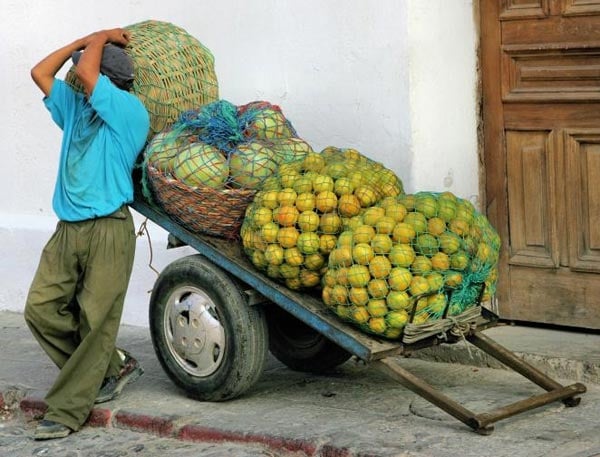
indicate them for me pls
(299, 346)
(242, 327)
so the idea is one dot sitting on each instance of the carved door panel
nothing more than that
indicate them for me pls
(540, 63)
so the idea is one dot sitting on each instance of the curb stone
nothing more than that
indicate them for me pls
(34, 408)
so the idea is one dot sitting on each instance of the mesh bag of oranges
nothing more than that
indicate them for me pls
(294, 220)
(205, 168)
(411, 259)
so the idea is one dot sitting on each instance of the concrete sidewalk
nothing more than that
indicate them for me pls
(356, 411)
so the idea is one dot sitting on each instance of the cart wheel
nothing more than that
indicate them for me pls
(207, 338)
(299, 346)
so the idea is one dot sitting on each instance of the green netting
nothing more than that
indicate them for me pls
(294, 220)
(413, 258)
(174, 72)
(223, 146)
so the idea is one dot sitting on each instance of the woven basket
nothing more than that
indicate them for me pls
(216, 212)
(174, 72)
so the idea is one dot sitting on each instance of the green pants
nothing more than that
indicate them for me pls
(74, 308)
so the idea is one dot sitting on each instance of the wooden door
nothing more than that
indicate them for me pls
(540, 64)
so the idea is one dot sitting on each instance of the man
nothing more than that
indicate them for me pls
(75, 302)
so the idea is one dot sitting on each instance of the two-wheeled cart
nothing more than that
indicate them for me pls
(214, 317)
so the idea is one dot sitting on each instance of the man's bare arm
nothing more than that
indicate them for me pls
(88, 68)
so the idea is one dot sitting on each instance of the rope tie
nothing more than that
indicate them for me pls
(143, 230)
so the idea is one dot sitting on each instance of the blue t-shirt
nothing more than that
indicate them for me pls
(102, 138)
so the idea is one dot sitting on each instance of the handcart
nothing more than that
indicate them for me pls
(214, 317)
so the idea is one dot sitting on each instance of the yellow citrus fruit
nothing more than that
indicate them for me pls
(314, 261)
(341, 256)
(287, 215)
(446, 209)
(339, 294)
(459, 260)
(309, 278)
(421, 265)
(327, 243)
(399, 278)
(288, 271)
(372, 215)
(449, 242)
(484, 252)
(293, 256)
(308, 221)
(308, 243)
(358, 296)
(345, 312)
(403, 233)
(421, 304)
(366, 196)
(322, 183)
(343, 186)
(273, 271)
(454, 279)
(378, 288)
(459, 226)
(435, 280)
(269, 231)
(402, 255)
(358, 275)
(305, 201)
(341, 276)
(392, 333)
(385, 225)
(363, 234)
(353, 223)
(313, 161)
(330, 223)
(397, 318)
(274, 254)
(345, 238)
(418, 285)
(396, 211)
(326, 201)
(440, 261)
(348, 205)
(397, 300)
(287, 237)
(288, 178)
(269, 199)
(381, 243)
(377, 325)
(360, 314)
(287, 196)
(258, 259)
(417, 220)
(420, 318)
(377, 307)
(362, 253)
(327, 297)
(426, 244)
(262, 216)
(436, 304)
(426, 205)
(408, 200)
(302, 185)
(436, 226)
(380, 267)
(328, 278)
(386, 202)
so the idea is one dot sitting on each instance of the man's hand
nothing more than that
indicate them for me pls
(118, 36)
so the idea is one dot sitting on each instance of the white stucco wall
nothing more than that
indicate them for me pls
(394, 79)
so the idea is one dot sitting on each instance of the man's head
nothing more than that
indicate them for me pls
(115, 64)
